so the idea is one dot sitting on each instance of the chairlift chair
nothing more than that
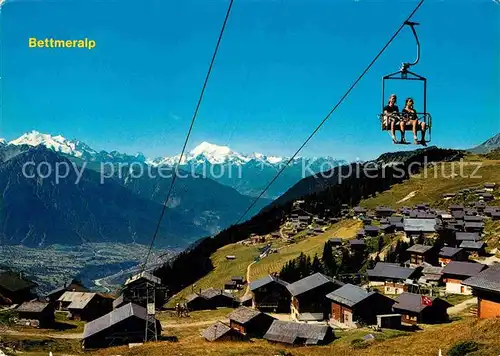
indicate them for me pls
(405, 74)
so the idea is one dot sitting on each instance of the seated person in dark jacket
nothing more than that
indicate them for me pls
(410, 114)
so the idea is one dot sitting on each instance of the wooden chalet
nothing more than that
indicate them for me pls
(448, 254)
(419, 227)
(456, 272)
(121, 326)
(372, 230)
(85, 306)
(222, 332)
(250, 322)
(456, 207)
(270, 293)
(466, 236)
(135, 289)
(489, 187)
(285, 332)
(358, 210)
(417, 308)
(246, 300)
(210, 298)
(474, 248)
(391, 277)
(420, 254)
(36, 313)
(474, 226)
(335, 242)
(14, 288)
(357, 245)
(70, 286)
(382, 211)
(486, 287)
(352, 306)
(309, 302)
(431, 275)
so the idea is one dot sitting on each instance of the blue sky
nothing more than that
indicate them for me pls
(282, 65)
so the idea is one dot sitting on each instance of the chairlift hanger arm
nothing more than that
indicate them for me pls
(412, 26)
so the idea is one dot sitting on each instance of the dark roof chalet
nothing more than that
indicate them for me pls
(265, 281)
(359, 210)
(237, 278)
(489, 185)
(289, 332)
(474, 225)
(349, 295)
(33, 307)
(116, 316)
(467, 236)
(459, 268)
(311, 282)
(390, 271)
(472, 245)
(356, 242)
(488, 279)
(448, 251)
(243, 315)
(413, 302)
(384, 209)
(456, 207)
(216, 331)
(421, 249)
(420, 225)
(371, 228)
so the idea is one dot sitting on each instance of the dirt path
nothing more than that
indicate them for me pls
(456, 309)
(247, 290)
(50, 335)
(188, 325)
(408, 197)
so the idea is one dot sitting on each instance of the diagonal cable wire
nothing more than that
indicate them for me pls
(188, 134)
(331, 111)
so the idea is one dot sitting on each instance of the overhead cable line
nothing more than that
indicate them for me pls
(331, 111)
(188, 135)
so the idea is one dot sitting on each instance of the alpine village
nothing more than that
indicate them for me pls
(393, 265)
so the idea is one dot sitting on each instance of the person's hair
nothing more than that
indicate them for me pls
(393, 96)
(407, 100)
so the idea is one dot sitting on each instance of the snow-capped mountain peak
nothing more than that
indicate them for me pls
(57, 143)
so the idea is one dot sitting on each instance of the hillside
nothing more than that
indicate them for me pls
(389, 342)
(245, 256)
(319, 194)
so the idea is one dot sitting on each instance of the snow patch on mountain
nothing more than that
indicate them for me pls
(57, 143)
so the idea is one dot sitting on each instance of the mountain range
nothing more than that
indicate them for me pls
(248, 174)
(36, 210)
(488, 145)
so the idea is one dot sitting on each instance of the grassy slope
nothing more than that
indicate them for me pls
(389, 343)
(436, 181)
(309, 246)
(224, 269)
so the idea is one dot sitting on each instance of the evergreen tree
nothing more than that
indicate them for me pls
(328, 260)
(316, 265)
(380, 243)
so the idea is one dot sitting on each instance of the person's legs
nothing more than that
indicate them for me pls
(414, 126)
(423, 128)
(402, 124)
(393, 130)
